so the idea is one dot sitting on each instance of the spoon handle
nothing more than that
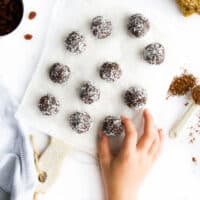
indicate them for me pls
(174, 132)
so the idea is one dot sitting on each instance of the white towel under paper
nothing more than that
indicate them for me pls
(120, 47)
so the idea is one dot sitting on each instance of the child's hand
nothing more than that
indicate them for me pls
(124, 173)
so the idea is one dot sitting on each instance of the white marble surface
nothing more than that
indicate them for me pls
(80, 179)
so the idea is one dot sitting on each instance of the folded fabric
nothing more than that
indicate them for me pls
(17, 170)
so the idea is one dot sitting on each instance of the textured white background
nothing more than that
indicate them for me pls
(174, 177)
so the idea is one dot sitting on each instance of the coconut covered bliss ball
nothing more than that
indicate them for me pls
(48, 105)
(110, 71)
(89, 93)
(101, 28)
(80, 122)
(75, 43)
(154, 53)
(135, 97)
(112, 126)
(138, 25)
(59, 73)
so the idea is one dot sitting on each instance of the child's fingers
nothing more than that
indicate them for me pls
(155, 145)
(161, 141)
(104, 151)
(149, 122)
(149, 132)
(130, 139)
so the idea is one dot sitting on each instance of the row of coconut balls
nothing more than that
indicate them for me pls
(138, 25)
(134, 97)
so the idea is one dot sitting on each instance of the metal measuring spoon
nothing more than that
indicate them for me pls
(193, 106)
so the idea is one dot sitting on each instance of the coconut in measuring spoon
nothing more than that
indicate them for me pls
(192, 108)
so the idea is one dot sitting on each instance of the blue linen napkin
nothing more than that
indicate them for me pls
(17, 170)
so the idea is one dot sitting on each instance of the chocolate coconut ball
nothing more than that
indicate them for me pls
(89, 93)
(135, 97)
(110, 71)
(154, 53)
(80, 122)
(112, 126)
(101, 27)
(75, 43)
(48, 105)
(59, 73)
(138, 25)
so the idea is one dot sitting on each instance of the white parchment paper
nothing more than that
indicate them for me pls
(76, 15)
